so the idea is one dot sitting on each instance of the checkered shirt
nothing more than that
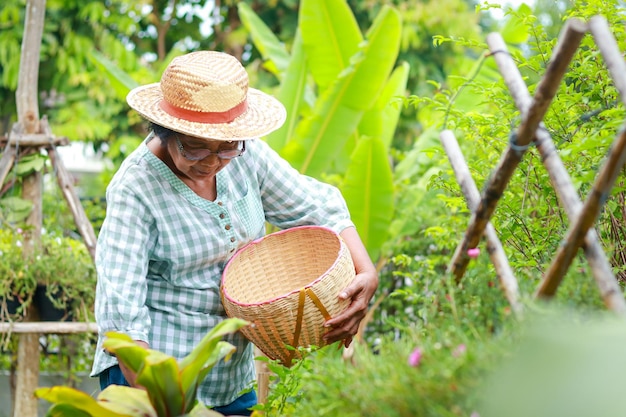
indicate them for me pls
(162, 250)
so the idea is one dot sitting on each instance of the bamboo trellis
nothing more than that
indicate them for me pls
(32, 134)
(582, 216)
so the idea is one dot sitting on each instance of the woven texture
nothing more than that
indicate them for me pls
(206, 94)
(289, 275)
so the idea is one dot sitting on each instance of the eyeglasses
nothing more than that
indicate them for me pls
(199, 154)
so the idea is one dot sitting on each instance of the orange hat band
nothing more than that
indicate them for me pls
(205, 117)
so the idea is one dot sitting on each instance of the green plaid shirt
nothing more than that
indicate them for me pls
(162, 249)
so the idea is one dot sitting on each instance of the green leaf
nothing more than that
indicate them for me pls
(392, 97)
(160, 376)
(291, 94)
(368, 190)
(200, 410)
(66, 410)
(205, 355)
(17, 208)
(330, 36)
(127, 400)
(119, 80)
(127, 351)
(30, 164)
(381, 120)
(320, 137)
(515, 31)
(77, 399)
(270, 47)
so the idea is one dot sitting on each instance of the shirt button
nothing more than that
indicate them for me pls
(227, 227)
(222, 215)
(232, 239)
(219, 203)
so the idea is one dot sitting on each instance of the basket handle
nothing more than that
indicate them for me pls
(301, 299)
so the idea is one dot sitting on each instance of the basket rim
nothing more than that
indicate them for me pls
(295, 291)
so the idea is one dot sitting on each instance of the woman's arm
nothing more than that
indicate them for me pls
(360, 291)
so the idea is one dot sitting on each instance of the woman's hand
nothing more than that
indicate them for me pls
(345, 325)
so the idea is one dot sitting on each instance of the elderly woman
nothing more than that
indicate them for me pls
(198, 188)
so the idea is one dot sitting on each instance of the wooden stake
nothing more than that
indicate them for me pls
(6, 162)
(25, 404)
(85, 228)
(48, 327)
(608, 173)
(587, 217)
(472, 195)
(568, 43)
(561, 181)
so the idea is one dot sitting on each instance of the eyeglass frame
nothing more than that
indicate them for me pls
(223, 154)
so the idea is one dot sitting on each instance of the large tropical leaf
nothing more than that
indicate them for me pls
(194, 366)
(78, 400)
(133, 401)
(330, 35)
(160, 377)
(291, 94)
(66, 410)
(320, 137)
(368, 190)
(127, 351)
(381, 120)
(389, 105)
(119, 80)
(271, 48)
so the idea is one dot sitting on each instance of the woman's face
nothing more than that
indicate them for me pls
(199, 159)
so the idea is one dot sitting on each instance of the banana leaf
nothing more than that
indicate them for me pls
(320, 137)
(330, 36)
(368, 190)
(271, 48)
(389, 105)
(119, 80)
(291, 93)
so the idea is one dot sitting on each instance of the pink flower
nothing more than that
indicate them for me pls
(473, 253)
(415, 357)
(460, 349)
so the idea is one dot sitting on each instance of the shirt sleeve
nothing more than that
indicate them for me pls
(291, 199)
(122, 256)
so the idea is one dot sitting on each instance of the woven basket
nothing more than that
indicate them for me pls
(286, 285)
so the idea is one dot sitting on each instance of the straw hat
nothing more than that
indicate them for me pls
(205, 94)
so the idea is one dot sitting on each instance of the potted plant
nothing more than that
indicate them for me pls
(66, 279)
(17, 285)
(170, 386)
(58, 277)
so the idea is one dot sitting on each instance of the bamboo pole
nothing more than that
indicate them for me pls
(472, 196)
(561, 181)
(6, 162)
(85, 228)
(608, 173)
(48, 327)
(587, 217)
(568, 43)
(25, 404)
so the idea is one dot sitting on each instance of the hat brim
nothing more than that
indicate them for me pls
(263, 115)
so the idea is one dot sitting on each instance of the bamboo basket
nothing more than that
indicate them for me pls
(286, 285)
